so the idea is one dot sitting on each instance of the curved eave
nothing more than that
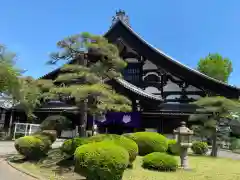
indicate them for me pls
(57, 109)
(137, 90)
(120, 29)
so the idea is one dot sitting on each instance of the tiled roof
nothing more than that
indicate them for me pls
(120, 29)
(169, 57)
(5, 102)
(57, 105)
(137, 90)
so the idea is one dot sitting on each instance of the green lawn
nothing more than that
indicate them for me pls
(203, 168)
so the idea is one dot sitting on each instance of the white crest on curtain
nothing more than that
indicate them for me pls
(102, 118)
(126, 119)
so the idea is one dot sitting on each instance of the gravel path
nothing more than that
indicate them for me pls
(7, 147)
(9, 173)
(6, 171)
(228, 154)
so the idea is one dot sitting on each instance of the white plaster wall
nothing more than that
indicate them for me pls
(170, 86)
(192, 88)
(149, 65)
(194, 96)
(131, 60)
(176, 78)
(152, 90)
(173, 97)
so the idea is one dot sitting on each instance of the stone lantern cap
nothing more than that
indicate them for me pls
(183, 130)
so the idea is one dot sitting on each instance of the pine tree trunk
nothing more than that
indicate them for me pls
(214, 145)
(83, 119)
(84, 108)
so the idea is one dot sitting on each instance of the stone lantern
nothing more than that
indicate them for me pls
(184, 140)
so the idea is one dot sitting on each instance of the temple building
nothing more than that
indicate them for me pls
(160, 87)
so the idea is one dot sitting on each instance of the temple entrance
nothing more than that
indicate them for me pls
(115, 129)
(117, 122)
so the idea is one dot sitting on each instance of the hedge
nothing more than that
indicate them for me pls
(101, 160)
(235, 144)
(69, 146)
(199, 147)
(173, 147)
(31, 147)
(45, 139)
(149, 142)
(122, 141)
(160, 162)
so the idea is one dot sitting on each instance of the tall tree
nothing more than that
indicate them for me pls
(213, 112)
(30, 93)
(12, 84)
(95, 62)
(215, 66)
(8, 72)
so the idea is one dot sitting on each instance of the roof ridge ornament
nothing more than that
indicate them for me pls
(120, 15)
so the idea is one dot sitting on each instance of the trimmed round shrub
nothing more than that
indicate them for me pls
(199, 147)
(235, 144)
(128, 135)
(160, 162)
(45, 139)
(101, 160)
(69, 146)
(122, 141)
(173, 147)
(31, 147)
(149, 142)
(52, 134)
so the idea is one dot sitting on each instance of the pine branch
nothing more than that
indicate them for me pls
(82, 81)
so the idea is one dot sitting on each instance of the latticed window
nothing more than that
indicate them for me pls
(132, 73)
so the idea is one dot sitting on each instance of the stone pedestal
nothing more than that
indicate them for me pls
(184, 157)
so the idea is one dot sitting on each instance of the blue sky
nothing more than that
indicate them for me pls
(186, 30)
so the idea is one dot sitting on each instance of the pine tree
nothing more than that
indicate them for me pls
(213, 112)
(92, 61)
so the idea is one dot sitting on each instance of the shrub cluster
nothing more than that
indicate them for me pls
(36, 146)
(173, 147)
(69, 146)
(31, 147)
(199, 147)
(101, 160)
(160, 162)
(46, 141)
(128, 144)
(104, 156)
(149, 142)
(235, 144)
(52, 134)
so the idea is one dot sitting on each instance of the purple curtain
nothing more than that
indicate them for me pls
(130, 119)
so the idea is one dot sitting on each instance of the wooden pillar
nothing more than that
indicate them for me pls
(10, 123)
(3, 115)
